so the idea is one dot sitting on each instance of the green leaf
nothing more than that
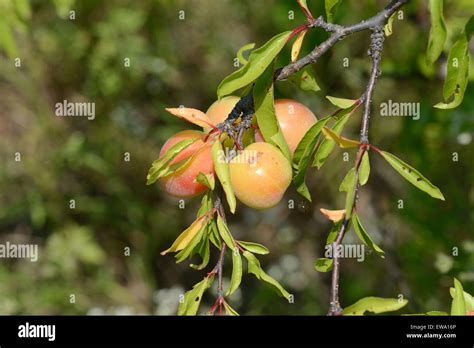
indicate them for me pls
(205, 252)
(458, 306)
(265, 113)
(225, 233)
(23, 9)
(193, 245)
(186, 236)
(206, 205)
(375, 305)
(342, 141)
(229, 310)
(305, 80)
(304, 5)
(206, 179)
(327, 145)
(7, 40)
(161, 166)
(240, 52)
(214, 235)
(332, 235)
(388, 27)
(331, 8)
(254, 247)
(348, 185)
(302, 156)
(457, 74)
(192, 298)
(364, 169)
(365, 237)
(342, 102)
(236, 272)
(437, 31)
(221, 168)
(468, 299)
(258, 61)
(412, 175)
(254, 268)
(323, 264)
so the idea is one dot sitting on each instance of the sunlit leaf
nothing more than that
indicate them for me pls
(332, 235)
(468, 299)
(193, 246)
(302, 156)
(258, 62)
(254, 247)
(333, 215)
(365, 237)
(388, 27)
(305, 80)
(327, 145)
(437, 31)
(265, 113)
(192, 298)
(194, 116)
(229, 310)
(254, 268)
(236, 272)
(206, 179)
(342, 102)
(225, 233)
(364, 169)
(221, 168)
(295, 49)
(323, 264)
(412, 175)
(342, 141)
(331, 8)
(186, 236)
(161, 165)
(458, 306)
(457, 74)
(347, 183)
(240, 52)
(375, 305)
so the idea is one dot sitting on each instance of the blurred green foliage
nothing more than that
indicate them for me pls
(179, 51)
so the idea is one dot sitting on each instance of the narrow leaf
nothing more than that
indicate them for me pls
(342, 102)
(229, 310)
(221, 168)
(192, 298)
(458, 306)
(342, 141)
(254, 268)
(305, 80)
(437, 31)
(295, 49)
(364, 236)
(206, 179)
(333, 215)
(375, 305)
(388, 27)
(412, 175)
(236, 272)
(205, 253)
(364, 169)
(331, 8)
(253, 247)
(258, 61)
(186, 236)
(194, 116)
(323, 264)
(468, 299)
(225, 233)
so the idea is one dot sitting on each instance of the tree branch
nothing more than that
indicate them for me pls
(339, 32)
(375, 52)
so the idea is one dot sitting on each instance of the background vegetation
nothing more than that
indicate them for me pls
(180, 62)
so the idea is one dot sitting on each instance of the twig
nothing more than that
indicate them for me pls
(338, 33)
(375, 52)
